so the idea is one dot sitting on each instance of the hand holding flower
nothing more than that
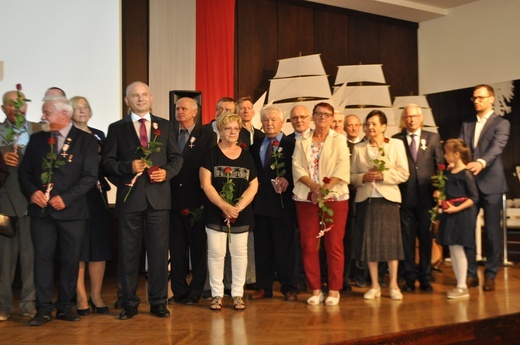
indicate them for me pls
(57, 203)
(138, 166)
(39, 199)
(157, 174)
(11, 159)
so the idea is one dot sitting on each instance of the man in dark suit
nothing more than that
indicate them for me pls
(486, 135)
(275, 215)
(143, 196)
(187, 230)
(58, 208)
(228, 105)
(14, 204)
(424, 152)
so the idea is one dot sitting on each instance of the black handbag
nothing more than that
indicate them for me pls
(7, 225)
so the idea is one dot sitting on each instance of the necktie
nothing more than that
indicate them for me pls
(143, 133)
(181, 142)
(413, 147)
(268, 154)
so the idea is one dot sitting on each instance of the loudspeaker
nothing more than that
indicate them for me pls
(175, 95)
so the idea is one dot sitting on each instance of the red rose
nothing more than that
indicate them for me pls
(243, 145)
(157, 132)
(185, 212)
(387, 140)
(19, 87)
(52, 140)
(326, 180)
(441, 167)
(227, 170)
(276, 142)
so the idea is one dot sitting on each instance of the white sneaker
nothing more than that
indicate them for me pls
(372, 293)
(396, 294)
(457, 293)
(4, 315)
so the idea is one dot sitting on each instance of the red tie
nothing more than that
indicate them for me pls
(143, 133)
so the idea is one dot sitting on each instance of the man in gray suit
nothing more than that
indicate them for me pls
(14, 204)
(424, 153)
(486, 136)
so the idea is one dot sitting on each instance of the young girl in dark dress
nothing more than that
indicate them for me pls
(459, 213)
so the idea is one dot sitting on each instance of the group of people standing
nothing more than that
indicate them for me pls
(234, 205)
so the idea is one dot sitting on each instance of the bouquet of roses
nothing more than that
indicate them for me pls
(439, 182)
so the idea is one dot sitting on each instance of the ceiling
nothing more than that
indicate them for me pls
(411, 10)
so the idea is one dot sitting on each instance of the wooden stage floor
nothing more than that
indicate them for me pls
(274, 321)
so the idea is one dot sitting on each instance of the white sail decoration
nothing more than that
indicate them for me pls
(428, 120)
(361, 89)
(298, 81)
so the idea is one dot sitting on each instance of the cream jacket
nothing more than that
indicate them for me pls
(334, 162)
(397, 172)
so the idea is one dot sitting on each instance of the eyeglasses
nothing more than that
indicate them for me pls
(296, 118)
(325, 115)
(480, 98)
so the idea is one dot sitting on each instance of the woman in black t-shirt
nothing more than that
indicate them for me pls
(228, 177)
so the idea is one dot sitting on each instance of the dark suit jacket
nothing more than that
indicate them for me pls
(418, 189)
(267, 201)
(491, 143)
(120, 150)
(71, 181)
(12, 200)
(186, 190)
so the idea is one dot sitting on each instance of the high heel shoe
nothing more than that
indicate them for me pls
(96, 309)
(372, 293)
(315, 300)
(83, 312)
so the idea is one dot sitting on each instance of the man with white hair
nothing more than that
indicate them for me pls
(56, 191)
(275, 215)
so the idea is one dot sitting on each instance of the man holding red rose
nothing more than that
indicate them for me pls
(187, 231)
(144, 212)
(275, 214)
(56, 191)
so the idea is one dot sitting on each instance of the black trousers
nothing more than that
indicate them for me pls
(152, 226)
(51, 238)
(275, 251)
(187, 241)
(415, 223)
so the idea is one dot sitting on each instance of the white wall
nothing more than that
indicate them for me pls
(75, 45)
(172, 50)
(476, 43)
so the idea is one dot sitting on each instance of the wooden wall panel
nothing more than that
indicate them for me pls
(135, 42)
(398, 49)
(295, 31)
(256, 46)
(364, 41)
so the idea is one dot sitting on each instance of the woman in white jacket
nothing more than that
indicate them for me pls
(378, 166)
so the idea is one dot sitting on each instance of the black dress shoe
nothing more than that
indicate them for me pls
(489, 284)
(472, 282)
(346, 288)
(96, 309)
(40, 318)
(160, 310)
(128, 313)
(177, 299)
(426, 286)
(291, 296)
(67, 314)
(118, 304)
(192, 299)
(408, 287)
